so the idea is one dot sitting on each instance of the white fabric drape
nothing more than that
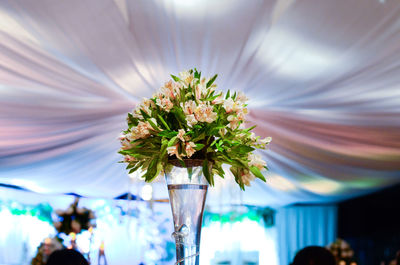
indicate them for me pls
(323, 78)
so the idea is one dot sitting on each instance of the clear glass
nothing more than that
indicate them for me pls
(187, 189)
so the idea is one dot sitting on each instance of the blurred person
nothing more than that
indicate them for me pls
(66, 257)
(314, 255)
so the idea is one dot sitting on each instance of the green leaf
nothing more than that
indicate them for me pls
(163, 149)
(196, 74)
(228, 94)
(206, 173)
(167, 134)
(256, 172)
(211, 81)
(176, 79)
(172, 141)
(153, 125)
(134, 121)
(211, 98)
(179, 115)
(163, 122)
(242, 149)
(199, 147)
(199, 137)
(151, 170)
(144, 114)
(249, 129)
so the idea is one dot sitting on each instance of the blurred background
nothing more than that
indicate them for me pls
(323, 79)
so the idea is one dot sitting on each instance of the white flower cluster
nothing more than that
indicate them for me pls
(189, 146)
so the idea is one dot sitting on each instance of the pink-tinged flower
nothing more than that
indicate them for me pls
(141, 131)
(170, 90)
(266, 140)
(241, 97)
(191, 120)
(204, 83)
(164, 103)
(125, 142)
(188, 107)
(189, 148)
(253, 137)
(136, 114)
(200, 91)
(173, 150)
(229, 105)
(246, 177)
(233, 121)
(256, 160)
(241, 113)
(129, 158)
(205, 113)
(219, 100)
(145, 105)
(181, 133)
(187, 78)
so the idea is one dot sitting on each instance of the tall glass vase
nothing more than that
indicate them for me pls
(187, 188)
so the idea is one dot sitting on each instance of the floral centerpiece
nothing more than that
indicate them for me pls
(74, 219)
(188, 119)
(342, 251)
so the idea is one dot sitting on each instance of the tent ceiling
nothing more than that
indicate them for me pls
(323, 79)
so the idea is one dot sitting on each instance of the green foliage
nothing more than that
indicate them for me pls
(189, 119)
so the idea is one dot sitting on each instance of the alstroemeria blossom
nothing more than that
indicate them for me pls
(181, 134)
(205, 113)
(173, 150)
(189, 148)
(164, 102)
(256, 160)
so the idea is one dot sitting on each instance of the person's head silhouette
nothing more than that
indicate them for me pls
(314, 255)
(66, 257)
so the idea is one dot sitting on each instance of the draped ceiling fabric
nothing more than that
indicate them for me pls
(323, 78)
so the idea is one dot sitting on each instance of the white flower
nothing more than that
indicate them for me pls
(170, 90)
(187, 78)
(241, 113)
(233, 121)
(189, 148)
(218, 100)
(205, 113)
(191, 120)
(241, 97)
(266, 140)
(181, 133)
(136, 114)
(125, 141)
(188, 107)
(229, 105)
(165, 103)
(141, 131)
(247, 177)
(200, 91)
(173, 150)
(256, 160)
(253, 137)
(129, 158)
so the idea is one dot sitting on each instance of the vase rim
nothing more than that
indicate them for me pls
(188, 162)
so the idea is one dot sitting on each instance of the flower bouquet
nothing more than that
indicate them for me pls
(189, 119)
(187, 131)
